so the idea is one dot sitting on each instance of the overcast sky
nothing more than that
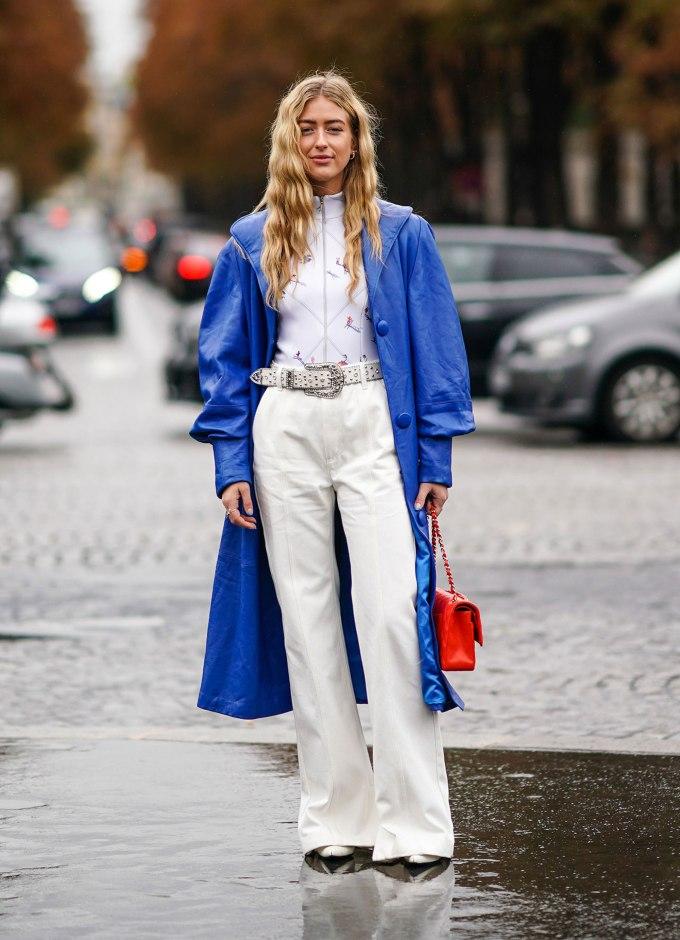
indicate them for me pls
(117, 35)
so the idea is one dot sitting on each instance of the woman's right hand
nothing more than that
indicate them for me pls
(230, 500)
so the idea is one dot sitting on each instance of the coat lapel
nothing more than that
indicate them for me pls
(247, 231)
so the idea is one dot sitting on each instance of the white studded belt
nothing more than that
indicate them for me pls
(323, 379)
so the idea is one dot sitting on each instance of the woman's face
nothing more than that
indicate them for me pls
(326, 143)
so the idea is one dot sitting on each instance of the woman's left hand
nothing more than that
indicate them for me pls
(434, 494)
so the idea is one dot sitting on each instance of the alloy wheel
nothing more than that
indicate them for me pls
(643, 402)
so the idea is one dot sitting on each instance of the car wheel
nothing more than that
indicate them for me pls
(641, 401)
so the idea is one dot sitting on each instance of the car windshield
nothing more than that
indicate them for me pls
(65, 251)
(663, 278)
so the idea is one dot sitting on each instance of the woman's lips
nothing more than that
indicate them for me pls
(321, 159)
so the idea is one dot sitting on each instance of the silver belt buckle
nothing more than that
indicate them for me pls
(336, 376)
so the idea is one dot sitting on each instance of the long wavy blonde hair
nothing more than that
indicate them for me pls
(289, 194)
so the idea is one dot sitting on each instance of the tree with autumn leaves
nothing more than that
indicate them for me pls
(43, 48)
(440, 72)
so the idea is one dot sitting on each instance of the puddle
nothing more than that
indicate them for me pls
(563, 844)
(155, 838)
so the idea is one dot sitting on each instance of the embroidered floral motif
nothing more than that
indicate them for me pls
(350, 325)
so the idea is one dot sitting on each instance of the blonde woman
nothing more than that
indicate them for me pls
(334, 377)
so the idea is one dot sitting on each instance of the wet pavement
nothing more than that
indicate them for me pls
(115, 838)
(127, 811)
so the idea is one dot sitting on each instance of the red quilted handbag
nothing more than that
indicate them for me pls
(457, 621)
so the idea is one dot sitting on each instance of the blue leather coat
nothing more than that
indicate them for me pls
(425, 369)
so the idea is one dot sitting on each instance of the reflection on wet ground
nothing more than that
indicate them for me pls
(562, 844)
(148, 838)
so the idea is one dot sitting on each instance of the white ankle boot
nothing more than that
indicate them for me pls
(421, 859)
(335, 851)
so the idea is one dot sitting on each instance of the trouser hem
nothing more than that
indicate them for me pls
(310, 845)
(413, 846)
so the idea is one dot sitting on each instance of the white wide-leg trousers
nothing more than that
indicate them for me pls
(308, 452)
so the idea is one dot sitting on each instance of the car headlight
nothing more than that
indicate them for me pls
(557, 344)
(101, 283)
(507, 342)
(21, 284)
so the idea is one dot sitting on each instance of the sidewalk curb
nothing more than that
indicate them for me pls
(251, 734)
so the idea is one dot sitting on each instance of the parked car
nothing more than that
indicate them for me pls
(29, 380)
(184, 263)
(72, 268)
(610, 365)
(181, 364)
(499, 274)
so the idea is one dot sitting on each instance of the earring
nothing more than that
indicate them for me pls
(351, 156)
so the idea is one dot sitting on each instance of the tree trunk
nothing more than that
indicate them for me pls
(549, 101)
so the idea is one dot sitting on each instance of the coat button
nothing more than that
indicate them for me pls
(382, 326)
(403, 419)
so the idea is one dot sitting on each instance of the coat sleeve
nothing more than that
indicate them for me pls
(441, 374)
(224, 372)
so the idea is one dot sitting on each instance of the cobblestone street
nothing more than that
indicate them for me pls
(115, 782)
(111, 526)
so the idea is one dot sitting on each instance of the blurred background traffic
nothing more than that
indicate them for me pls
(540, 139)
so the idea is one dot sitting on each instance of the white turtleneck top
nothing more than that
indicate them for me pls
(317, 321)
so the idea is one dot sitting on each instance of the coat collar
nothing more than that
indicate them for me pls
(247, 230)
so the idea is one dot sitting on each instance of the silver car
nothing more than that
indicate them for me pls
(29, 380)
(609, 365)
(500, 274)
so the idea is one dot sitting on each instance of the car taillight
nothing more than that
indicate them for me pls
(194, 267)
(59, 216)
(133, 259)
(144, 230)
(48, 325)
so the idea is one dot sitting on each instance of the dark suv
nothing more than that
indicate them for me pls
(499, 274)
